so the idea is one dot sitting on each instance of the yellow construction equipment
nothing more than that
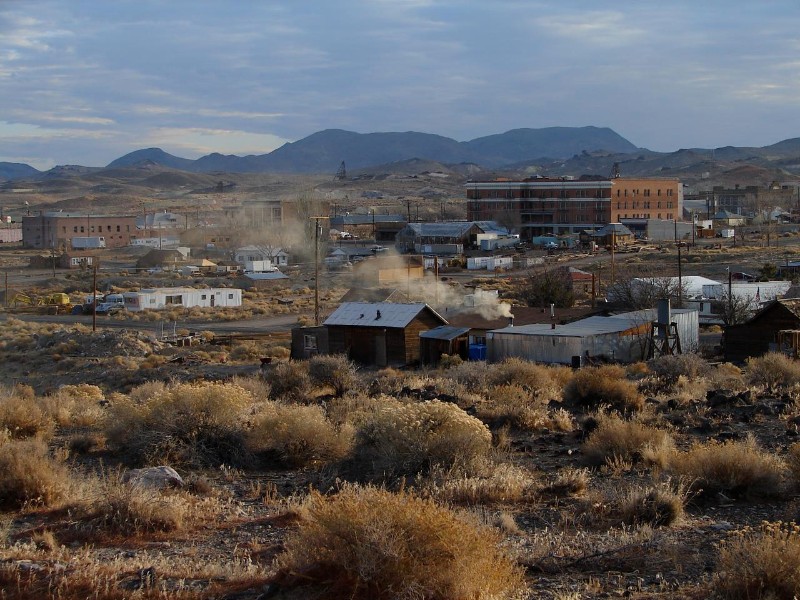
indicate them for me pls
(55, 303)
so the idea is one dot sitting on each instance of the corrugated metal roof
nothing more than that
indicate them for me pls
(377, 314)
(591, 326)
(445, 332)
(451, 229)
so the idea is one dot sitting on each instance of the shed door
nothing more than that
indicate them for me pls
(380, 348)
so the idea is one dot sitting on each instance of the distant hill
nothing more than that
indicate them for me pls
(152, 155)
(9, 170)
(551, 151)
(324, 151)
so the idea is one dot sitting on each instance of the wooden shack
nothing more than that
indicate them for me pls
(445, 339)
(380, 333)
(759, 335)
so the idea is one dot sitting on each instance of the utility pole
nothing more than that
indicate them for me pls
(94, 296)
(613, 246)
(730, 297)
(317, 227)
(680, 278)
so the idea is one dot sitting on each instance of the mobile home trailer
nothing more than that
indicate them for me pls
(159, 298)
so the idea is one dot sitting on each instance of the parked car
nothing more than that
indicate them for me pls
(109, 308)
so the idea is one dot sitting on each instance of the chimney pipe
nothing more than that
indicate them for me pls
(552, 316)
(510, 320)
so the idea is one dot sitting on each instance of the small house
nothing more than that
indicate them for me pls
(380, 333)
(760, 334)
(387, 270)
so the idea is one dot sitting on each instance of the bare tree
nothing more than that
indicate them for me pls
(637, 293)
(733, 310)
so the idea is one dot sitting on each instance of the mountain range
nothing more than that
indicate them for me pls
(552, 151)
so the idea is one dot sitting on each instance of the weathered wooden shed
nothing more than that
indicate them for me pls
(380, 333)
(759, 335)
(444, 339)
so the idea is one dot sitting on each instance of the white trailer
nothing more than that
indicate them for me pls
(159, 298)
(490, 263)
(82, 243)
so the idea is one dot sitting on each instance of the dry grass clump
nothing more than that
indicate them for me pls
(29, 475)
(123, 509)
(75, 405)
(568, 482)
(513, 404)
(760, 563)
(537, 379)
(733, 467)
(670, 368)
(503, 483)
(185, 424)
(22, 416)
(773, 371)
(409, 439)
(655, 506)
(298, 435)
(256, 385)
(289, 380)
(630, 440)
(369, 543)
(471, 374)
(726, 376)
(595, 386)
(334, 371)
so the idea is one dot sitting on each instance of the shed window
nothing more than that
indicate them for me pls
(310, 342)
(178, 299)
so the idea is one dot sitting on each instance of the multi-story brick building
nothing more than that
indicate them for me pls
(55, 230)
(540, 205)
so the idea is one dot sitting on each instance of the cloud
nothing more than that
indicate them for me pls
(199, 141)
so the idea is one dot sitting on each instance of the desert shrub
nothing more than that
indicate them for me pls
(631, 440)
(247, 351)
(726, 376)
(473, 375)
(512, 404)
(448, 361)
(503, 483)
(391, 382)
(733, 467)
(656, 506)
(289, 380)
(144, 392)
(256, 385)
(124, 509)
(528, 375)
(23, 417)
(75, 405)
(793, 461)
(28, 474)
(595, 386)
(669, 368)
(568, 482)
(191, 424)
(773, 371)
(369, 543)
(407, 439)
(335, 371)
(298, 435)
(761, 563)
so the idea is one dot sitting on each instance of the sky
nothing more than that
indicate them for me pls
(87, 81)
